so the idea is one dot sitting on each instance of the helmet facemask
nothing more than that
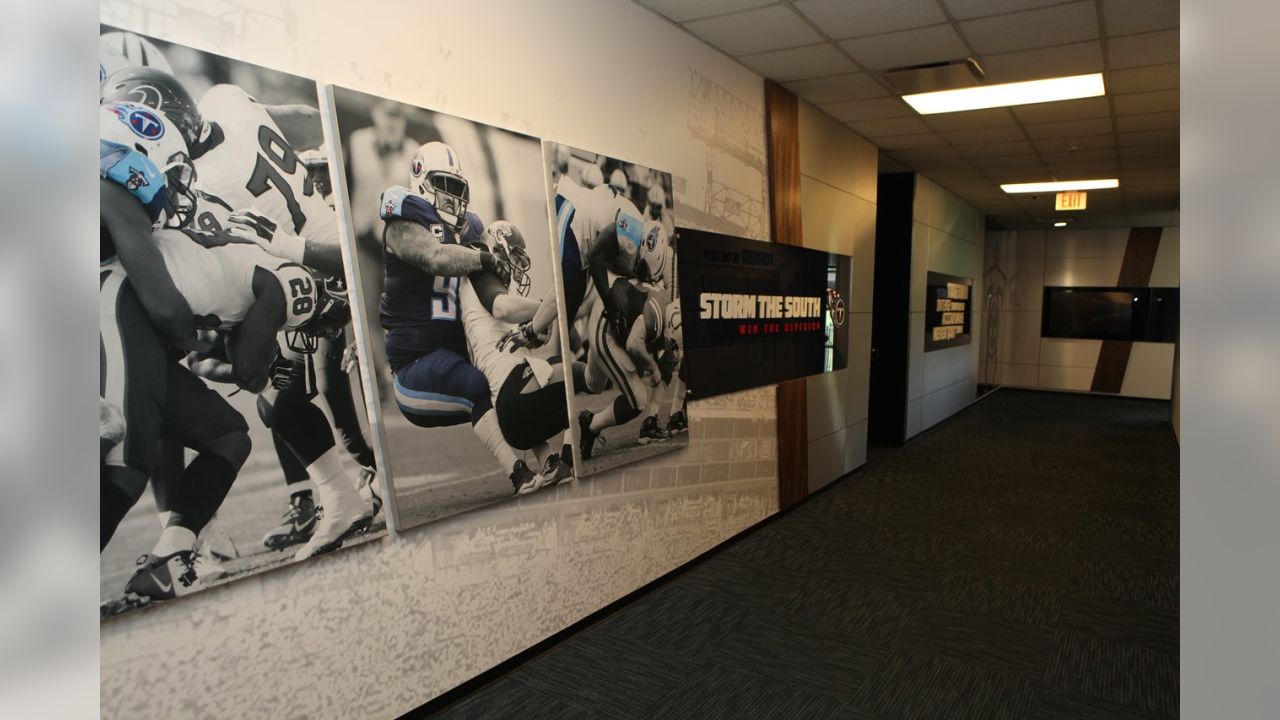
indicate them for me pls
(179, 180)
(450, 194)
(332, 313)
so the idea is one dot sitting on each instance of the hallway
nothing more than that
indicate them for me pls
(1019, 560)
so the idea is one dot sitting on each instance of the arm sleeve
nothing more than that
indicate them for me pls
(254, 345)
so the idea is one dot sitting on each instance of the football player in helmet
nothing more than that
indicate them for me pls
(636, 348)
(118, 49)
(528, 393)
(430, 243)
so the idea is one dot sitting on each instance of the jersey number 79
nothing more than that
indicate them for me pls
(277, 160)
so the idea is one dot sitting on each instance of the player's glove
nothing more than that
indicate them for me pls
(283, 372)
(254, 226)
(350, 361)
(522, 336)
(492, 263)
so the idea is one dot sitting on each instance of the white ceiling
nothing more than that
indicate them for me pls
(831, 52)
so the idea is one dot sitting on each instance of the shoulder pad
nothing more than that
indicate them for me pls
(474, 230)
(299, 294)
(134, 172)
(401, 203)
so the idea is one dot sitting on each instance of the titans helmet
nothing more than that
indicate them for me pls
(158, 90)
(435, 173)
(506, 242)
(125, 127)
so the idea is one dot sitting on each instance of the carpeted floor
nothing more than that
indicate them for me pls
(1018, 561)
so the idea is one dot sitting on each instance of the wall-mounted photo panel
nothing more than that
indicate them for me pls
(946, 311)
(759, 313)
(450, 240)
(233, 434)
(618, 310)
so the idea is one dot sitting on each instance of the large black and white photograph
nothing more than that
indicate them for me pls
(232, 432)
(450, 239)
(618, 312)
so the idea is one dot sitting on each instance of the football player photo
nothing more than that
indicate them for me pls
(618, 312)
(232, 436)
(452, 247)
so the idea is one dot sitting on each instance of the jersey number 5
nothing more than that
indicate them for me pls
(276, 160)
(444, 298)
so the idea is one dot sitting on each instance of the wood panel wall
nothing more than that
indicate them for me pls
(782, 131)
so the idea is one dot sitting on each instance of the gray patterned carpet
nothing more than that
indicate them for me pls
(1019, 561)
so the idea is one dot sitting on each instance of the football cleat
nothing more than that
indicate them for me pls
(678, 422)
(649, 431)
(297, 524)
(207, 567)
(586, 436)
(343, 515)
(164, 578)
(367, 486)
(525, 480)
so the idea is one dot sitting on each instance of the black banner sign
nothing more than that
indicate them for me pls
(758, 313)
(946, 311)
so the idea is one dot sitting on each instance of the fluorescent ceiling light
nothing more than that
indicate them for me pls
(1060, 223)
(1044, 187)
(1018, 93)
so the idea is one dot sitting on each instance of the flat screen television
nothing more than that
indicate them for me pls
(1134, 313)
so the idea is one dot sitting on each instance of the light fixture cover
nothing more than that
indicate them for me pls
(1018, 93)
(1061, 186)
(1060, 223)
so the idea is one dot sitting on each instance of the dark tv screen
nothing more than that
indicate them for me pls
(1135, 313)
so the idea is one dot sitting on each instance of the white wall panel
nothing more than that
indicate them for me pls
(1070, 352)
(913, 418)
(859, 368)
(1150, 371)
(1003, 245)
(834, 154)
(1065, 378)
(1086, 243)
(949, 366)
(1018, 375)
(1081, 272)
(915, 356)
(1166, 270)
(938, 406)
(826, 458)
(1017, 337)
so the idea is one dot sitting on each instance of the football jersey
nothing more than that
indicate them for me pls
(214, 272)
(419, 310)
(483, 332)
(249, 163)
(581, 214)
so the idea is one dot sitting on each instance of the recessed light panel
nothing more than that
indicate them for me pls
(1063, 186)
(1019, 93)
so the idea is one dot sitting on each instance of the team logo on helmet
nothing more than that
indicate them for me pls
(143, 122)
(651, 239)
(836, 304)
(415, 167)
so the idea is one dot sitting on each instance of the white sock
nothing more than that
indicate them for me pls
(542, 451)
(174, 539)
(491, 435)
(331, 481)
(164, 518)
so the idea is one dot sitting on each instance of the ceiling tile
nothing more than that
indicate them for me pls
(972, 120)
(1125, 17)
(856, 86)
(1155, 161)
(1147, 121)
(874, 109)
(1074, 59)
(1083, 109)
(1020, 147)
(881, 128)
(985, 135)
(1079, 155)
(966, 9)
(1144, 79)
(1022, 173)
(910, 142)
(1085, 169)
(1076, 143)
(1151, 48)
(799, 63)
(1148, 137)
(1056, 25)
(1158, 101)
(768, 28)
(1141, 151)
(683, 10)
(909, 47)
(1003, 161)
(843, 19)
(1070, 128)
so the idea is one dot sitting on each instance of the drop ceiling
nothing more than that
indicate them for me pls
(832, 52)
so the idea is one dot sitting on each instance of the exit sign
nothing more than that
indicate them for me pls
(1070, 201)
